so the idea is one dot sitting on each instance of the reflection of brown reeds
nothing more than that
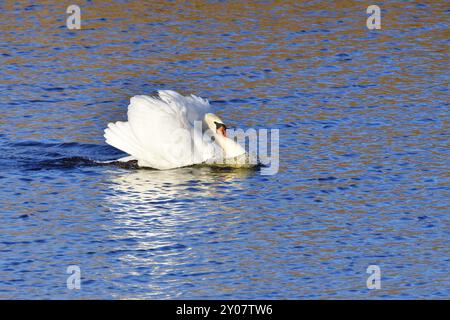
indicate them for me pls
(266, 49)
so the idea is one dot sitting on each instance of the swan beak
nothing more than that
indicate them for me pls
(222, 131)
(221, 128)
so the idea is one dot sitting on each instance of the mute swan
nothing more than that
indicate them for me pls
(168, 131)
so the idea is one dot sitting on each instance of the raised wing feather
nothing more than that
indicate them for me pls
(159, 132)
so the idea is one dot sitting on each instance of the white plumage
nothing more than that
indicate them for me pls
(160, 132)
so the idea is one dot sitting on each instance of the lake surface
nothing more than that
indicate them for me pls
(364, 151)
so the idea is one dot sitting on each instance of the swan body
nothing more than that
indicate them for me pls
(168, 131)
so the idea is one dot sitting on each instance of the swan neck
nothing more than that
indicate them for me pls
(229, 146)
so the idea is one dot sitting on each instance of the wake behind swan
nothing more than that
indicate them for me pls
(171, 131)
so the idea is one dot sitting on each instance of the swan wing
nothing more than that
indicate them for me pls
(160, 131)
(194, 107)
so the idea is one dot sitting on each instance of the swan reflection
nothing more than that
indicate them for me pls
(157, 217)
(144, 191)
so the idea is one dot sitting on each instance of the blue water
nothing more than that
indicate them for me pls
(364, 158)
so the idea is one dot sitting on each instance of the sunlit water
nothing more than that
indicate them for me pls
(364, 158)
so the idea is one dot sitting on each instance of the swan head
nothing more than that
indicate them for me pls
(219, 129)
(215, 124)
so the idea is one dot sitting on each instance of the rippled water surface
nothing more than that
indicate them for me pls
(364, 154)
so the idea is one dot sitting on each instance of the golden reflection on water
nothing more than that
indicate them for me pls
(285, 37)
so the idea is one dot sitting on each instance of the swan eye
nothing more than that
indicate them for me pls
(219, 125)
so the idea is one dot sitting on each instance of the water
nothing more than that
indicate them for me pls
(364, 130)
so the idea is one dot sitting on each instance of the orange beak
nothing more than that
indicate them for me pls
(222, 130)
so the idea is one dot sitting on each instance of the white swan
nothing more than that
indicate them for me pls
(168, 131)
